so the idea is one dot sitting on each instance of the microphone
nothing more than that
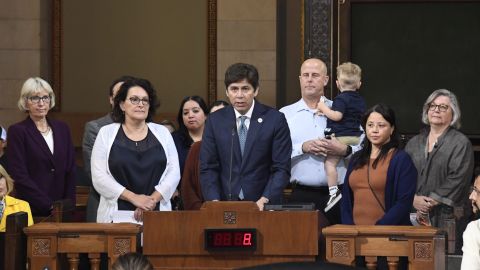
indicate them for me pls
(231, 163)
(58, 211)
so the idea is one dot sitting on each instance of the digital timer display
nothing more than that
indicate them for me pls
(230, 239)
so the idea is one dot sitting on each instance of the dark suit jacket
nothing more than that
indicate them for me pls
(91, 131)
(40, 176)
(264, 169)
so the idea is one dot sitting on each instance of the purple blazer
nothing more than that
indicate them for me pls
(40, 176)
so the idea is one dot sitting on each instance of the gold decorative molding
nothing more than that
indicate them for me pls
(229, 217)
(41, 247)
(57, 33)
(340, 249)
(423, 250)
(212, 51)
(302, 30)
(121, 246)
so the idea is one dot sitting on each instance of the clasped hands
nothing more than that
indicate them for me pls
(324, 147)
(423, 204)
(143, 203)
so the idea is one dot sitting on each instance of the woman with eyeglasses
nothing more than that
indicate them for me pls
(134, 161)
(40, 154)
(443, 157)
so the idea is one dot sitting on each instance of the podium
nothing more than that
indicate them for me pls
(424, 246)
(47, 240)
(179, 239)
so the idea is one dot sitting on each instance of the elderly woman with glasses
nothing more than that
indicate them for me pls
(40, 154)
(134, 161)
(443, 157)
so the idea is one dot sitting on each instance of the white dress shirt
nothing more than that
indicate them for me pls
(471, 246)
(305, 124)
(248, 115)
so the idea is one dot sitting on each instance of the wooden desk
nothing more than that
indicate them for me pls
(46, 240)
(424, 246)
(175, 240)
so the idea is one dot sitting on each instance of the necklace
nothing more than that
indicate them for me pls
(44, 132)
(135, 135)
(135, 131)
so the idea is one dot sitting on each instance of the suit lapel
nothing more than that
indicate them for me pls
(232, 120)
(38, 138)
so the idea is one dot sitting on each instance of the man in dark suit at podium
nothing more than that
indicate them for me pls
(246, 147)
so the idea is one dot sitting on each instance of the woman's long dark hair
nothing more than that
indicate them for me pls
(362, 157)
(182, 129)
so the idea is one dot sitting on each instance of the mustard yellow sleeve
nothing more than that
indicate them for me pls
(25, 207)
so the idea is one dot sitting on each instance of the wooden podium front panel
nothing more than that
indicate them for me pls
(47, 240)
(175, 240)
(344, 242)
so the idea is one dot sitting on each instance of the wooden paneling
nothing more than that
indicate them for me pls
(281, 236)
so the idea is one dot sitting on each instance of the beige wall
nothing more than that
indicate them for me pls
(247, 33)
(24, 46)
(163, 41)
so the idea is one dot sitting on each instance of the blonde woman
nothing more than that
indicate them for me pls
(40, 153)
(10, 205)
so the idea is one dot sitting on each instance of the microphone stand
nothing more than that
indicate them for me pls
(231, 164)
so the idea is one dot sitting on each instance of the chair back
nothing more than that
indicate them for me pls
(14, 242)
(62, 212)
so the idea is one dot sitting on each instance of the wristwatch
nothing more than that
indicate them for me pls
(349, 150)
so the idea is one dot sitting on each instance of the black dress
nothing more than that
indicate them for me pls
(136, 165)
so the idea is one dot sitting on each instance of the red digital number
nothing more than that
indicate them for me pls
(247, 239)
(217, 239)
(238, 239)
(227, 239)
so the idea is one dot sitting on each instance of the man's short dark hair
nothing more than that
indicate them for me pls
(121, 79)
(240, 71)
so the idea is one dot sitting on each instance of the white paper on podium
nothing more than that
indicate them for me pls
(120, 216)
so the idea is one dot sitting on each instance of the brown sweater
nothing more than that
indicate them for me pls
(366, 209)
(190, 189)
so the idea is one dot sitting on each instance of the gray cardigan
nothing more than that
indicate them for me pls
(445, 173)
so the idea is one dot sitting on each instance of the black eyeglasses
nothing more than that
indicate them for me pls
(136, 100)
(36, 99)
(441, 107)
